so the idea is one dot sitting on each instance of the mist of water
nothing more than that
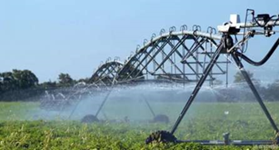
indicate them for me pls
(130, 101)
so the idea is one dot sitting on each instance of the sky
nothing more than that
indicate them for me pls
(50, 37)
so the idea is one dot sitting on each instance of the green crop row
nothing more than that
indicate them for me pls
(74, 135)
(205, 122)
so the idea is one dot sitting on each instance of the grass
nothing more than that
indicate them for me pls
(208, 121)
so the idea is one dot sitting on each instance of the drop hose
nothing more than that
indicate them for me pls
(264, 60)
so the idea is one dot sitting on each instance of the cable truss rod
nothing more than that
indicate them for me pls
(206, 62)
(214, 73)
(198, 86)
(185, 32)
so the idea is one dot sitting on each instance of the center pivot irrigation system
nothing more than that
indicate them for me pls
(188, 56)
(262, 24)
(198, 62)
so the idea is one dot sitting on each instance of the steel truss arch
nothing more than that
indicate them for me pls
(178, 56)
(106, 73)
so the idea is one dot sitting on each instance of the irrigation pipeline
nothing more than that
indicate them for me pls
(151, 61)
(264, 60)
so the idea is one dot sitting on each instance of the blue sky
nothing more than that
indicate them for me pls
(74, 36)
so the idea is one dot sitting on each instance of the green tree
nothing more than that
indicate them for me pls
(17, 79)
(25, 79)
(8, 81)
(86, 80)
(272, 91)
(238, 78)
(49, 85)
(65, 79)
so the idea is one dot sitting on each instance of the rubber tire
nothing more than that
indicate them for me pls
(161, 118)
(161, 137)
(89, 119)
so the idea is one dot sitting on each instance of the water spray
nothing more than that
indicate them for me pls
(200, 61)
(235, 49)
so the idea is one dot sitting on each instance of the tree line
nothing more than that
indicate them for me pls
(24, 85)
(242, 92)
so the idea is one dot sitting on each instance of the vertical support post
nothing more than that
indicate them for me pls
(197, 66)
(163, 57)
(174, 60)
(104, 101)
(255, 92)
(184, 75)
(227, 72)
(149, 107)
(198, 86)
(146, 68)
(154, 65)
(211, 72)
(72, 112)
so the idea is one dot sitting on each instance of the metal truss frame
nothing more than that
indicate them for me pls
(106, 73)
(184, 44)
(171, 49)
(237, 56)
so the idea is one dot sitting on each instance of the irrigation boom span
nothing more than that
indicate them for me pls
(192, 56)
(182, 56)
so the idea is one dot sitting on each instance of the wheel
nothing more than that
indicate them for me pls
(89, 119)
(161, 119)
(161, 137)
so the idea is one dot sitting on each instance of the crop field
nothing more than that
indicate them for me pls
(22, 127)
